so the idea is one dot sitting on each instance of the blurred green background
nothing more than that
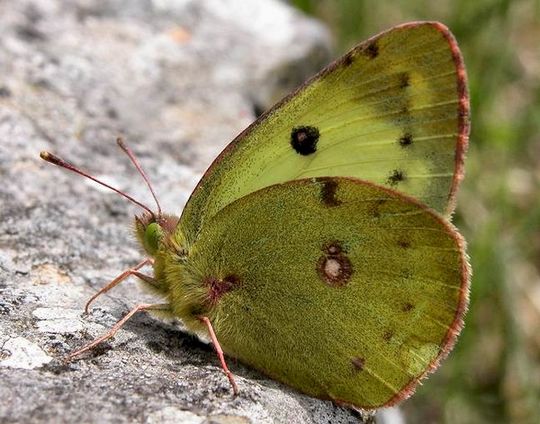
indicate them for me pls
(493, 375)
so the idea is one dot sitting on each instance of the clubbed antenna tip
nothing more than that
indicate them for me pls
(55, 160)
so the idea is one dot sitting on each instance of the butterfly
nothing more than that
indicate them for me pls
(318, 248)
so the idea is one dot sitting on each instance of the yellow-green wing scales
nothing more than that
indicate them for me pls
(393, 111)
(340, 288)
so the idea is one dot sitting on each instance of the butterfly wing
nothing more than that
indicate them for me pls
(340, 288)
(394, 111)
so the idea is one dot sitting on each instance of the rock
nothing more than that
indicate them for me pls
(178, 79)
(22, 353)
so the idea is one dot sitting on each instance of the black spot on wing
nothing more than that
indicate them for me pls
(406, 139)
(348, 59)
(404, 80)
(404, 244)
(304, 139)
(329, 191)
(396, 177)
(372, 50)
(407, 307)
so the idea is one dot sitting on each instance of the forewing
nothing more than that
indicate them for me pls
(340, 288)
(393, 111)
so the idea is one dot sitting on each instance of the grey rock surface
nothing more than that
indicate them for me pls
(178, 79)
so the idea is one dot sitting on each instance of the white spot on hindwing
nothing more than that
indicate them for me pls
(332, 268)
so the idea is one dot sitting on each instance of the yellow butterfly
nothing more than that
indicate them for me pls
(317, 248)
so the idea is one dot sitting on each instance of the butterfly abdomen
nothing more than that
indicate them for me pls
(196, 286)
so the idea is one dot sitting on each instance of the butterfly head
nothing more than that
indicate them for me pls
(154, 229)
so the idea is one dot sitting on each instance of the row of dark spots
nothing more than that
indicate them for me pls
(304, 138)
(405, 81)
(371, 51)
(406, 139)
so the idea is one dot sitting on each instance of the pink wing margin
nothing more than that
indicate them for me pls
(464, 121)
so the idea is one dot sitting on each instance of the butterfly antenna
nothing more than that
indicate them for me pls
(55, 160)
(131, 155)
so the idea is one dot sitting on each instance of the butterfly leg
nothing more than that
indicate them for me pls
(219, 352)
(118, 325)
(120, 278)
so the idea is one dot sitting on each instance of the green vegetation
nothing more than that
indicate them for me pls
(493, 375)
